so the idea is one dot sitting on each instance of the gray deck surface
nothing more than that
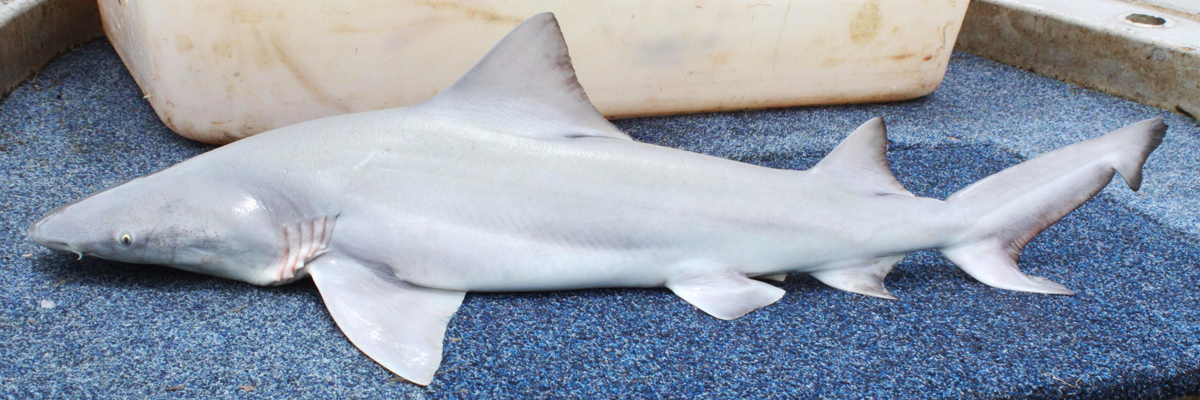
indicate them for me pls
(91, 328)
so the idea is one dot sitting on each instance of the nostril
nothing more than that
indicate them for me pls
(35, 231)
(38, 235)
(37, 226)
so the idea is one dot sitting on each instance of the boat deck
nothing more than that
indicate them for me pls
(92, 328)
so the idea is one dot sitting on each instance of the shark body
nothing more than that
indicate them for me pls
(510, 180)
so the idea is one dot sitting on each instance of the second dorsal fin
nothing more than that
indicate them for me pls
(861, 160)
(526, 86)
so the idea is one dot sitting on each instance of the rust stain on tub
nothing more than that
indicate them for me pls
(183, 43)
(245, 16)
(865, 26)
(348, 28)
(319, 94)
(722, 58)
(471, 12)
(833, 62)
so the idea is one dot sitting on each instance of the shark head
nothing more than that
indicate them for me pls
(170, 220)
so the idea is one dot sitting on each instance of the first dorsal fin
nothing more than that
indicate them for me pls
(861, 160)
(526, 86)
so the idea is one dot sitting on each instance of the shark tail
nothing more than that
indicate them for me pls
(1005, 211)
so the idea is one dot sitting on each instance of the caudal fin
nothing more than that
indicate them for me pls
(1007, 210)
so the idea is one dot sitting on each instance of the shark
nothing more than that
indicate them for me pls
(511, 180)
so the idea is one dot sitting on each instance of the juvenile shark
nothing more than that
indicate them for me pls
(510, 180)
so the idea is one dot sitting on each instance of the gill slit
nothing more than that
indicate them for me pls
(304, 241)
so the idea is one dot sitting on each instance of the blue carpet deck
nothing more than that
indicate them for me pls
(1133, 331)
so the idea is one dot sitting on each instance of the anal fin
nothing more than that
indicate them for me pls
(988, 263)
(773, 277)
(724, 293)
(398, 325)
(865, 280)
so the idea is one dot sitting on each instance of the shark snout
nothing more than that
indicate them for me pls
(43, 233)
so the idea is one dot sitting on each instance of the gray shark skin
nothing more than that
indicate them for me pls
(510, 180)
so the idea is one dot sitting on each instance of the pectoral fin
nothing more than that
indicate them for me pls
(724, 294)
(398, 325)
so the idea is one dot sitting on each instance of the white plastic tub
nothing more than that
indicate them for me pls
(220, 70)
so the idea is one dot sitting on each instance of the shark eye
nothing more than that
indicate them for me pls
(126, 238)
